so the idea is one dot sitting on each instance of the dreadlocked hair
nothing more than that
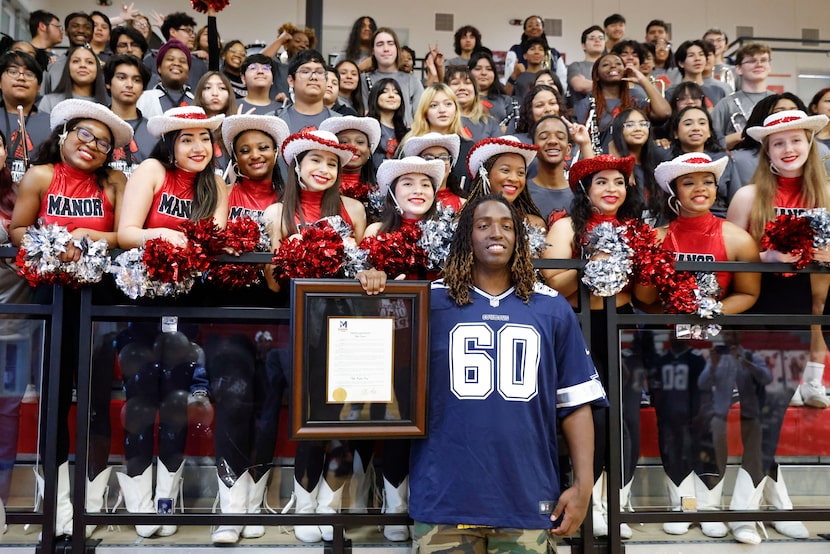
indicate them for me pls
(460, 266)
(523, 203)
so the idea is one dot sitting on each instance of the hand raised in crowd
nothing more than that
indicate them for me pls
(128, 12)
(156, 18)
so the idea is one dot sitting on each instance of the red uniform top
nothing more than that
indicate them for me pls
(448, 198)
(311, 203)
(699, 239)
(75, 200)
(788, 196)
(171, 204)
(250, 198)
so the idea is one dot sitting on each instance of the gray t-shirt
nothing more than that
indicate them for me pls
(578, 68)
(734, 109)
(550, 200)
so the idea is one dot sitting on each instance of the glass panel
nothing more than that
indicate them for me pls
(718, 423)
(180, 410)
(21, 363)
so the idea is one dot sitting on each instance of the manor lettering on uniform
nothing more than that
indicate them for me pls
(58, 205)
(684, 257)
(789, 211)
(174, 206)
(239, 211)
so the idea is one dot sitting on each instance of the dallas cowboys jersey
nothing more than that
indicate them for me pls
(501, 373)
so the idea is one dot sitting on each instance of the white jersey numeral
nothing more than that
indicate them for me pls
(473, 370)
(675, 377)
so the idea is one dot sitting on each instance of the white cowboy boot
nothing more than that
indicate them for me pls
(233, 500)
(328, 502)
(710, 500)
(96, 494)
(137, 493)
(776, 494)
(625, 505)
(599, 507)
(686, 488)
(396, 501)
(63, 509)
(746, 496)
(359, 486)
(168, 485)
(256, 495)
(306, 504)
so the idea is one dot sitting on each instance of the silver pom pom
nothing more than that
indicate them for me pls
(355, 259)
(43, 246)
(536, 237)
(338, 224)
(436, 236)
(820, 223)
(131, 278)
(94, 260)
(608, 276)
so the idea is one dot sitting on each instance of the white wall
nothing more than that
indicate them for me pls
(250, 20)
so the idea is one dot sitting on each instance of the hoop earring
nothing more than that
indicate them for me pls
(773, 169)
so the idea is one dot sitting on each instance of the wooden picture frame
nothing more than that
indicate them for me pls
(333, 398)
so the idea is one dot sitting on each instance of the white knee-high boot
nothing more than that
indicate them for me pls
(168, 485)
(396, 501)
(776, 494)
(137, 493)
(625, 501)
(63, 509)
(306, 504)
(232, 500)
(746, 496)
(710, 500)
(256, 495)
(359, 486)
(328, 502)
(686, 488)
(599, 507)
(96, 492)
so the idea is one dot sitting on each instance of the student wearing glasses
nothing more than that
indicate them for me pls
(257, 75)
(20, 78)
(752, 64)
(307, 75)
(70, 184)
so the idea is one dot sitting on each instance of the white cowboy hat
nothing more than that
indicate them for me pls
(73, 108)
(304, 141)
(786, 121)
(183, 117)
(415, 145)
(485, 149)
(271, 125)
(369, 126)
(693, 162)
(392, 169)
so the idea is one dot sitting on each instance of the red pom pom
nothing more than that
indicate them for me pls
(355, 188)
(202, 6)
(318, 252)
(242, 234)
(396, 252)
(790, 234)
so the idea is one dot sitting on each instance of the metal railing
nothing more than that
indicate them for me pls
(90, 313)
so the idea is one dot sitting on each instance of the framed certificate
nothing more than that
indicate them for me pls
(359, 361)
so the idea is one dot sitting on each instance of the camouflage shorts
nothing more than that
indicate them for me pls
(450, 539)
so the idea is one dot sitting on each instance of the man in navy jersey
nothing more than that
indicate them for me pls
(507, 362)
